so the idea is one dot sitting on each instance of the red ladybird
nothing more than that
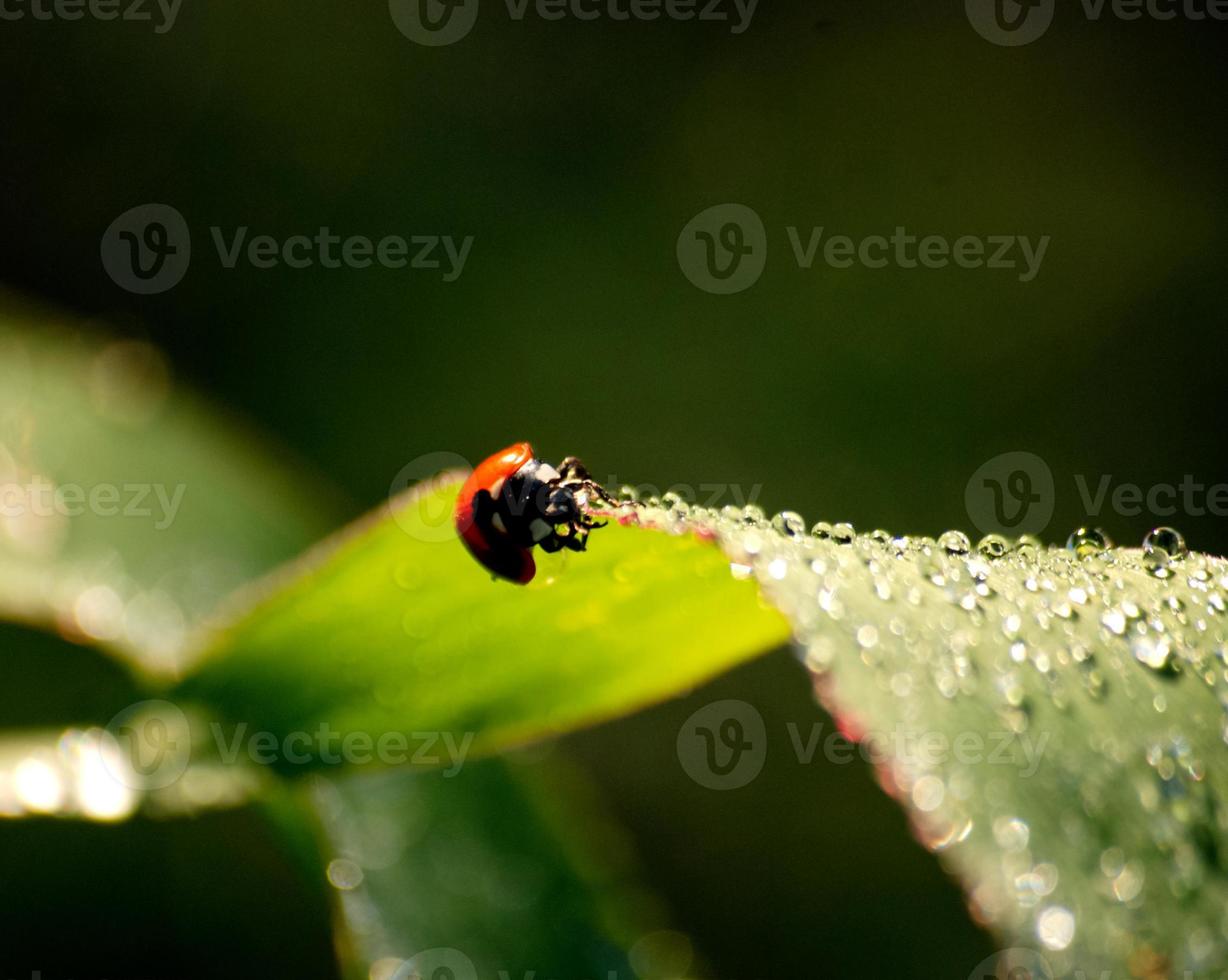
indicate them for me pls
(513, 501)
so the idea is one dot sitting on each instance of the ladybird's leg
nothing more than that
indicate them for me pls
(575, 541)
(572, 535)
(600, 492)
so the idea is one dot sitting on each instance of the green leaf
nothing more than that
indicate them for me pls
(393, 627)
(1053, 722)
(127, 510)
(510, 866)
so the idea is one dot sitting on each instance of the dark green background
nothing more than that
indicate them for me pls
(575, 153)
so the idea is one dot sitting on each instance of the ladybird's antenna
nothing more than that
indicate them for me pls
(575, 474)
(593, 487)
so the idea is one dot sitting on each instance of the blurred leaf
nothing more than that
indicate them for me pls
(126, 509)
(165, 898)
(1054, 724)
(508, 866)
(393, 627)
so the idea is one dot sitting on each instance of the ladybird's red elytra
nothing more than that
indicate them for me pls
(513, 502)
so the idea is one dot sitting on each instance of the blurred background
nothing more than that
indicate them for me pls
(575, 153)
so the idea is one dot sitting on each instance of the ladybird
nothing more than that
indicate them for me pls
(514, 501)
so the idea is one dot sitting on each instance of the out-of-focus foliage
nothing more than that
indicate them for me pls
(128, 509)
(509, 865)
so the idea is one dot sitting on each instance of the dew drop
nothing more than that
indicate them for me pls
(753, 514)
(993, 546)
(789, 523)
(954, 543)
(843, 533)
(1166, 539)
(1153, 652)
(821, 530)
(1088, 541)
(344, 874)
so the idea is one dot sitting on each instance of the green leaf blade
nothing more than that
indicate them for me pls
(394, 627)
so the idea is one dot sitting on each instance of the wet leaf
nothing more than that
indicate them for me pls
(509, 866)
(1052, 719)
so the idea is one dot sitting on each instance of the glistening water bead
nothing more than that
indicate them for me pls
(1088, 541)
(993, 546)
(1166, 539)
(821, 530)
(789, 523)
(954, 542)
